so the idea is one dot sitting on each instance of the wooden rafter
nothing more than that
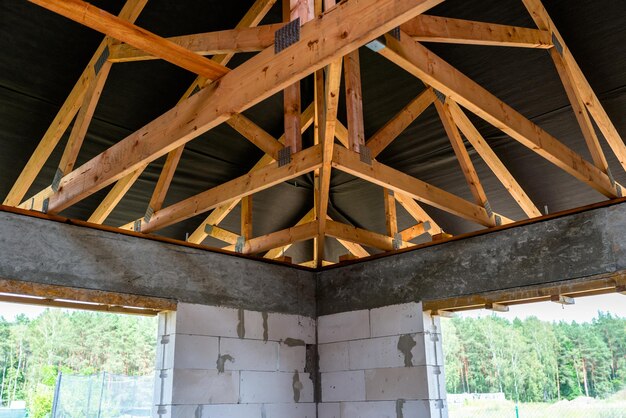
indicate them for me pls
(276, 239)
(396, 125)
(419, 61)
(387, 177)
(252, 39)
(426, 28)
(257, 135)
(372, 239)
(252, 18)
(419, 214)
(414, 231)
(595, 108)
(64, 117)
(219, 213)
(303, 162)
(491, 159)
(102, 21)
(258, 78)
(471, 176)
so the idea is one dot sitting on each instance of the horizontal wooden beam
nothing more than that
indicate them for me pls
(278, 239)
(377, 173)
(426, 28)
(430, 68)
(278, 251)
(572, 288)
(83, 296)
(253, 182)
(102, 21)
(361, 236)
(342, 29)
(211, 43)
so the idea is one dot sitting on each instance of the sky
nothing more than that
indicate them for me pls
(584, 309)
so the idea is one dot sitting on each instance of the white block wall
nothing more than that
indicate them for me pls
(385, 362)
(215, 362)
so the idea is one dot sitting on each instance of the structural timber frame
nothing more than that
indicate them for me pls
(325, 46)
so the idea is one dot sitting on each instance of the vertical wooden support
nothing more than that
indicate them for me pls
(246, 217)
(391, 219)
(354, 101)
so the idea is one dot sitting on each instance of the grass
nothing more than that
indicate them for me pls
(577, 408)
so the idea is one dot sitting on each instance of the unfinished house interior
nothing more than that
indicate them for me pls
(302, 189)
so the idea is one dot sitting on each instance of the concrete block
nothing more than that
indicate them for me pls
(282, 327)
(428, 350)
(191, 352)
(426, 409)
(213, 321)
(411, 383)
(343, 326)
(214, 411)
(343, 386)
(291, 358)
(399, 383)
(166, 323)
(333, 357)
(406, 318)
(275, 387)
(370, 410)
(329, 410)
(254, 326)
(285, 410)
(377, 353)
(205, 387)
(163, 382)
(248, 354)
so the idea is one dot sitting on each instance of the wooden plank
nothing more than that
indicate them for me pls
(258, 10)
(258, 78)
(377, 173)
(391, 218)
(219, 213)
(416, 211)
(249, 39)
(327, 140)
(580, 111)
(361, 236)
(354, 101)
(64, 117)
(573, 288)
(491, 159)
(422, 63)
(246, 217)
(390, 131)
(222, 234)
(52, 292)
(305, 161)
(36, 202)
(426, 28)
(413, 232)
(83, 119)
(257, 135)
(114, 196)
(341, 133)
(463, 157)
(278, 251)
(102, 21)
(355, 249)
(277, 239)
(593, 104)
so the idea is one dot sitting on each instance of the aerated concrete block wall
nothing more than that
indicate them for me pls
(216, 362)
(384, 362)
